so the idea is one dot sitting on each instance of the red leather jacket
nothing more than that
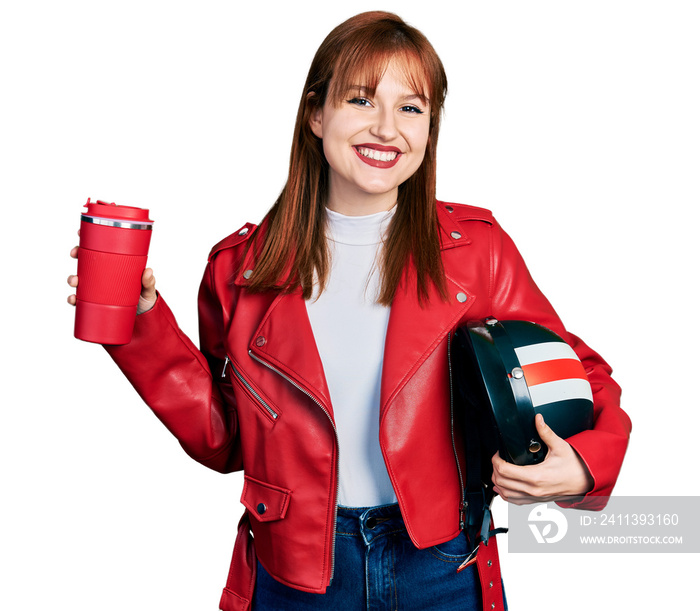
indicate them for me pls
(255, 398)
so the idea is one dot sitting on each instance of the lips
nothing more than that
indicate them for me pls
(378, 156)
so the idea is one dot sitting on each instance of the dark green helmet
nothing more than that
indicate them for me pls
(506, 372)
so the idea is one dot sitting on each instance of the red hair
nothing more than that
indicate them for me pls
(294, 252)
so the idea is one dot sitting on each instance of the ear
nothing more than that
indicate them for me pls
(316, 122)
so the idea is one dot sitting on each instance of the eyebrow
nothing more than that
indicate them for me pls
(418, 96)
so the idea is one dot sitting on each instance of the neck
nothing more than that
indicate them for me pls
(361, 204)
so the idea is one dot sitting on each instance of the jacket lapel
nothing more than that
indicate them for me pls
(414, 331)
(285, 341)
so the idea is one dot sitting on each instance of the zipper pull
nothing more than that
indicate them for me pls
(223, 371)
(463, 514)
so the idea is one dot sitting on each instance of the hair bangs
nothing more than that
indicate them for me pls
(364, 69)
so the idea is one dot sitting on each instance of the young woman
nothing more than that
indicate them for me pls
(324, 338)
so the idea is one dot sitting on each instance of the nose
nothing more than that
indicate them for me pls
(384, 126)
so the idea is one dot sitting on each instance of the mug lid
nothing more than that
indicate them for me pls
(113, 211)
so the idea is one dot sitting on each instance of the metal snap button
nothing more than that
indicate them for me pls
(456, 235)
(517, 373)
(247, 273)
(489, 563)
(535, 446)
(461, 297)
(243, 231)
(449, 208)
(371, 522)
(261, 508)
(260, 341)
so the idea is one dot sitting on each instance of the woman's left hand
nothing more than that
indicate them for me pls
(562, 473)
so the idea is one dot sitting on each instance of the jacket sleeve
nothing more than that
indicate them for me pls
(515, 296)
(174, 378)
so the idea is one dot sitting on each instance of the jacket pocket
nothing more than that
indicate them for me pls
(256, 396)
(265, 502)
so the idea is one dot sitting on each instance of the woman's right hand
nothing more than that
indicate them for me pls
(148, 296)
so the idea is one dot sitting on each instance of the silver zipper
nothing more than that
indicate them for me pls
(252, 391)
(463, 492)
(325, 411)
(223, 371)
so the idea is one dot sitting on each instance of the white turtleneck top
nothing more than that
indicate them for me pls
(350, 329)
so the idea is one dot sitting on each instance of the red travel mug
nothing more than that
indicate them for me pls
(114, 244)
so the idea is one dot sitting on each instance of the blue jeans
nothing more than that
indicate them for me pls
(377, 568)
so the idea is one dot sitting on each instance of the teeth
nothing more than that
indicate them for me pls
(378, 155)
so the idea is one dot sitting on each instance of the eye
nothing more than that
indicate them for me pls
(409, 108)
(359, 101)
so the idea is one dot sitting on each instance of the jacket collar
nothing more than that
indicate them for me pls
(451, 233)
(451, 236)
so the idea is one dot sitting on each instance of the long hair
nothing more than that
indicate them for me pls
(294, 252)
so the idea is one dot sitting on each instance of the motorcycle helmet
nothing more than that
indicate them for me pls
(506, 372)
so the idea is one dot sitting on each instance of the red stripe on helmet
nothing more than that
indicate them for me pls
(550, 371)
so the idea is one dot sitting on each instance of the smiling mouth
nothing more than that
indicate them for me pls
(378, 157)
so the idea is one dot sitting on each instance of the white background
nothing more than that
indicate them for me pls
(576, 122)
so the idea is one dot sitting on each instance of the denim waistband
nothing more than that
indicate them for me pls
(369, 522)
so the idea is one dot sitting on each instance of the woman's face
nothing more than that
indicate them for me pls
(372, 143)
